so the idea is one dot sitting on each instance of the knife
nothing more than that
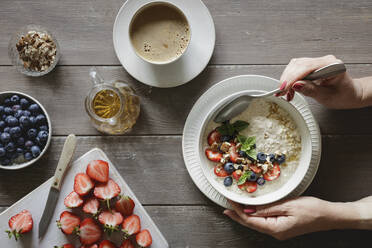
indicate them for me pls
(63, 164)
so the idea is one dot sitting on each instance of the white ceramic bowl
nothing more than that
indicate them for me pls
(205, 110)
(6, 94)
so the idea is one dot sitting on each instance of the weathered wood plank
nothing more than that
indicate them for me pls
(248, 32)
(153, 166)
(63, 93)
(206, 226)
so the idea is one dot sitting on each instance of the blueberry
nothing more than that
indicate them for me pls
(6, 129)
(8, 111)
(31, 133)
(40, 119)
(19, 150)
(28, 156)
(1, 109)
(241, 167)
(10, 147)
(5, 161)
(20, 141)
(43, 128)
(243, 154)
(15, 132)
(32, 120)
(7, 101)
(229, 168)
(15, 108)
(34, 108)
(14, 99)
(252, 177)
(24, 121)
(5, 137)
(43, 136)
(12, 121)
(261, 181)
(280, 158)
(261, 157)
(29, 144)
(2, 125)
(228, 181)
(26, 113)
(24, 103)
(18, 114)
(2, 151)
(35, 150)
(272, 158)
(225, 138)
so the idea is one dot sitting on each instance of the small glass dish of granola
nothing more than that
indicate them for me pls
(34, 50)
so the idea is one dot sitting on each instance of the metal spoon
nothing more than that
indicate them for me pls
(238, 105)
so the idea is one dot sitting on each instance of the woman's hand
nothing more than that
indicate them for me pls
(290, 218)
(338, 92)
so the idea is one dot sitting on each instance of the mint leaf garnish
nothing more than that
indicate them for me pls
(243, 178)
(231, 129)
(240, 125)
(248, 145)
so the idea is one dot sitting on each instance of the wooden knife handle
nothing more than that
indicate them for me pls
(64, 161)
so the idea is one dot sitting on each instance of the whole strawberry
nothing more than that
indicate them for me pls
(89, 231)
(111, 221)
(19, 224)
(125, 205)
(68, 223)
(107, 191)
(144, 238)
(131, 225)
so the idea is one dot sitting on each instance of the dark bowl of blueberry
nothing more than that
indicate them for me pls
(25, 130)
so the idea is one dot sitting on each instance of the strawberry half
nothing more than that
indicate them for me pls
(125, 205)
(73, 200)
(106, 244)
(19, 224)
(213, 155)
(98, 170)
(220, 172)
(107, 191)
(144, 238)
(127, 244)
(91, 206)
(233, 153)
(83, 184)
(89, 231)
(214, 136)
(111, 221)
(236, 176)
(65, 246)
(131, 225)
(272, 174)
(68, 223)
(250, 187)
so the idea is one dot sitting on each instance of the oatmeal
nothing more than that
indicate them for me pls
(257, 151)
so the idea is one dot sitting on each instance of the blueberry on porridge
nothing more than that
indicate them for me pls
(255, 152)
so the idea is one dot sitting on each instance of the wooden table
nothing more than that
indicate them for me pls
(253, 37)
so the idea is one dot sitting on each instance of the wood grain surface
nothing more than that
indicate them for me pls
(252, 37)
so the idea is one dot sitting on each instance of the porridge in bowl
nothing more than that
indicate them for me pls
(256, 152)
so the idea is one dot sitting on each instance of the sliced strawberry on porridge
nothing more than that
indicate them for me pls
(213, 155)
(273, 173)
(233, 153)
(214, 136)
(250, 187)
(255, 168)
(220, 172)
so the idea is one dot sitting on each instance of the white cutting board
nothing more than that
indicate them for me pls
(35, 202)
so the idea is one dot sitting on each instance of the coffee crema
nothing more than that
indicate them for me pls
(159, 32)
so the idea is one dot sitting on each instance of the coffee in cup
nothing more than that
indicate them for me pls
(159, 33)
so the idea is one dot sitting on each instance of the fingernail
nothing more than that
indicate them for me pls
(298, 86)
(249, 209)
(283, 85)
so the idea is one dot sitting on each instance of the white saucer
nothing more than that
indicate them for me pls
(192, 62)
(211, 98)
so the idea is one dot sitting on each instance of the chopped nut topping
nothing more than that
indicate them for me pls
(225, 146)
(37, 50)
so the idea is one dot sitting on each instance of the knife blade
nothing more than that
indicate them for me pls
(63, 164)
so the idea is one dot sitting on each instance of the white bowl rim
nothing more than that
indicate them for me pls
(314, 158)
(28, 163)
